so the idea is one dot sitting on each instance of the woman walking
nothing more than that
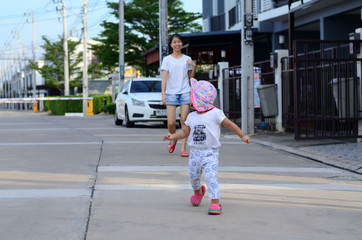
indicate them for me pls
(177, 69)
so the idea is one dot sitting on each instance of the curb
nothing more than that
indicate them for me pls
(331, 160)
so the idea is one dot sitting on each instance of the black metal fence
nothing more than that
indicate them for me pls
(232, 93)
(322, 90)
(264, 71)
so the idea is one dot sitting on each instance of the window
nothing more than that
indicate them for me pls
(218, 23)
(232, 17)
(146, 86)
(30, 81)
(125, 87)
(279, 3)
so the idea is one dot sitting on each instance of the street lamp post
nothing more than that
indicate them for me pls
(121, 43)
(163, 30)
(85, 59)
(65, 47)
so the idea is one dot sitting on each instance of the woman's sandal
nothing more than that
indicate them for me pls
(184, 154)
(196, 198)
(171, 147)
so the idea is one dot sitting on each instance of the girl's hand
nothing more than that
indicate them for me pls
(163, 102)
(246, 139)
(190, 62)
(168, 136)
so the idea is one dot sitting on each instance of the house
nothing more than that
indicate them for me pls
(315, 33)
(311, 19)
(222, 23)
(18, 79)
(320, 46)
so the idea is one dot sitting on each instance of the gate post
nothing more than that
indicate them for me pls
(359, 97)
(278, 81)
(220, 84)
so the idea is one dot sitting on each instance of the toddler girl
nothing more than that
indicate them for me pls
(204, 124)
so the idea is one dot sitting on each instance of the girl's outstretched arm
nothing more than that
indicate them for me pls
(183, 133)
(235, 129)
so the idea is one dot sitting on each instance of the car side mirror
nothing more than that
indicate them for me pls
(125, 92)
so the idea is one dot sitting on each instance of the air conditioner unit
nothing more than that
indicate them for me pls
(266, 5)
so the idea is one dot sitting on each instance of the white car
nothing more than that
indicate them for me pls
(140, 101)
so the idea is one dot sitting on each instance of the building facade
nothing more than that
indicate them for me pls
(286, 20)
(17, 78)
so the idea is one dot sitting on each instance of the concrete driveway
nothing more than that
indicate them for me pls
(74, 178)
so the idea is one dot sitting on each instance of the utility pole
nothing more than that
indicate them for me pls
(1, 81)
(7, 69)
(163, 31)
(247, 63)
(17, 80)
(65, 47)
(8, 95)
(24, 83)
(24, 67)
(121, 43)
(85, 59)
(20, 74)
(10, 87)
(34, 54)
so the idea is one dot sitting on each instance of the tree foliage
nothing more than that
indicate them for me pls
(141, 30)
(53, 69)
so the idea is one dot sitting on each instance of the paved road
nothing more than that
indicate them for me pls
(87, 179)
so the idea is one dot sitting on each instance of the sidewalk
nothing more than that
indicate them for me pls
(341, 153)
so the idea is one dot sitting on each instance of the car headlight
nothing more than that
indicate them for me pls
(138, 102)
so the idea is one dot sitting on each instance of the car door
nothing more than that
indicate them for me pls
(122, 99)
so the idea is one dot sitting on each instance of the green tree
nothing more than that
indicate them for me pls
(53, 69)
(140, 30)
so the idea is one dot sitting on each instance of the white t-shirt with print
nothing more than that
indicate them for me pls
(177, 68)
(205, 128)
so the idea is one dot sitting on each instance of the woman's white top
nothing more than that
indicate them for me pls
(178, 79)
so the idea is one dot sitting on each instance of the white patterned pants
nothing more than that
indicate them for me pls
(206, 160)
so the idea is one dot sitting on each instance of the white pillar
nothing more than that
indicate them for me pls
(220, 82)
(359, 75)
(278, 81)
(247, 83)
(41, 103)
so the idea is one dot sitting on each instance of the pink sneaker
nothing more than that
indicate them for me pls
(215, 209)
(196, 198)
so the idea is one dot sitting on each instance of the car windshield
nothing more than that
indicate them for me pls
(146, 86)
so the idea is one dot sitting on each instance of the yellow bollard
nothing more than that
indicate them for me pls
(35, 106)
(90, 107)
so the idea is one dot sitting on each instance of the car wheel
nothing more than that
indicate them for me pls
(117, 121)
(127, 122)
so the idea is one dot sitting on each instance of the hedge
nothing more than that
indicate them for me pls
(98, 102)
(60, 107)
(110, 108)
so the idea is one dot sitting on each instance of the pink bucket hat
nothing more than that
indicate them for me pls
(203, 94)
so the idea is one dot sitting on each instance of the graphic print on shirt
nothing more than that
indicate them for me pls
(199, 136)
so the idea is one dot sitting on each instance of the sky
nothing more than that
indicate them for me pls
(16, 20)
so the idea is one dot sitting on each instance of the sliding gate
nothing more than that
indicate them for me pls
(322, 89)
